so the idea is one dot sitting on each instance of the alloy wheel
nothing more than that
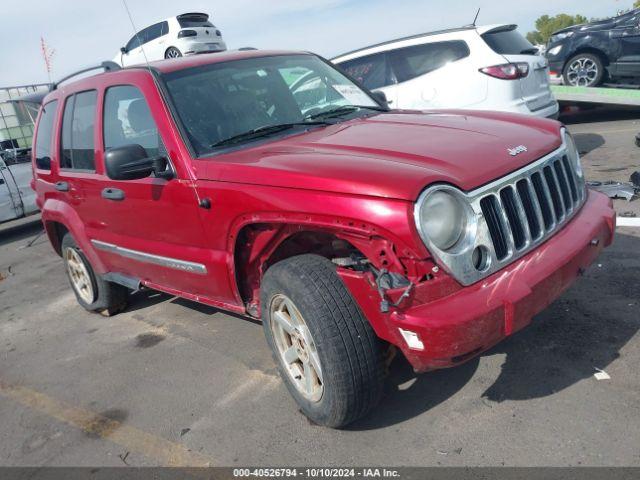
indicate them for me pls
(582, 72)
(79, 275)
(296, 348)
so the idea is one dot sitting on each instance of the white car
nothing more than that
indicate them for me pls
(482, 68)
(184, 34)
(17, 199)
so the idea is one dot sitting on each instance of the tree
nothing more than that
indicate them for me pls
(636, 4)
(546, 25)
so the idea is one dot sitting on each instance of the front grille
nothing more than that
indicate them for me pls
(530, 207)
(511, 216)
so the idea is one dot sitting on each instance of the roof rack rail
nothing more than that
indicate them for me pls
(108, 66)
(244, 49)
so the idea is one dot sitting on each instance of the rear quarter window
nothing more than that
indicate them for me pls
(508, 42)
(44, 135)
(412, 62)
(371, 71)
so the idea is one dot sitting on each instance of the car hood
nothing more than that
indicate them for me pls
(391, 155)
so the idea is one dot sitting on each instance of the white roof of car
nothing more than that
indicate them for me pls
(481, 29)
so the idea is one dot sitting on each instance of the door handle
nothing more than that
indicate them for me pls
(113, 194)
(1, 181)
(62, 186)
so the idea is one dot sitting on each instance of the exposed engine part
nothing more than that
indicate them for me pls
(354, 261)
(387, 280)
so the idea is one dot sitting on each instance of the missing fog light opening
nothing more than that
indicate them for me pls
(480, 258)
(412, 339)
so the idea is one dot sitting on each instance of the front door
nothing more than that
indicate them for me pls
(628, 63)
(149, 228)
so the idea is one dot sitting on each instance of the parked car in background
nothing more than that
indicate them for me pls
(350, 229)
(17, 199)
(589, 54)
(185, 34)
(482, 68)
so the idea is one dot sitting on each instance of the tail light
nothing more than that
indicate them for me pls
(507, 71)
(187, 33)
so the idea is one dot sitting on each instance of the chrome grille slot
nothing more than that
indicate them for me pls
(490, 210)
(544, 201)
(552, 187)
(564, 185)
(572, 181)
(531, 209)
(513, 215)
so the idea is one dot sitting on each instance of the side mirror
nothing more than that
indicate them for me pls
(130, 162)
(381, 98)
(123, 50)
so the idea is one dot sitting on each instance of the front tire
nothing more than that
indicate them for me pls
(172, 52)
(92, 292)
(584, 70)
(328, 355)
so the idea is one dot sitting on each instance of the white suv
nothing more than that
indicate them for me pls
(184, 34)
(484, 68)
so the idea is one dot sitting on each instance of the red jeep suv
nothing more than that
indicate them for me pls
(348, 228)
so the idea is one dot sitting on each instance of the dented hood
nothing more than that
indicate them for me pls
(392, 155)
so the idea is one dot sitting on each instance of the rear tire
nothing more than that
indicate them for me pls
(92, 292)
(330, 331)
(172, 52)
(584, 70)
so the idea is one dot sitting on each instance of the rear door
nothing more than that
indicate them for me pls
(373, 71)
(435, 75)
(508, 42)
(628, 36)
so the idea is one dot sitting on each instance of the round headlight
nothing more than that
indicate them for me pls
(442, 218)
(573, 154)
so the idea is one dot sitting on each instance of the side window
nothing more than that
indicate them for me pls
(135, 42)
(372, 71)
(153, 32)
(78, 125)
(411, 62)
(127, 120)
(165, 28)
(44, 134)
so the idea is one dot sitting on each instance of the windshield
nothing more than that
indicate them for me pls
(225, 100)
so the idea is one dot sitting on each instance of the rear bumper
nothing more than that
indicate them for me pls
(460, 326)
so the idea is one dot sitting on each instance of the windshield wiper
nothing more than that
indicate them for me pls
(263, 131)
(344, 110)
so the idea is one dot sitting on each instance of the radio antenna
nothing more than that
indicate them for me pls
(474, 20)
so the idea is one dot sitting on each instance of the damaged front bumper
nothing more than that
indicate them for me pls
(459, 326)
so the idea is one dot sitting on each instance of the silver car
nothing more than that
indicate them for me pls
(17, 199)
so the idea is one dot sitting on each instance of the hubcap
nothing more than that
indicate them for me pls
(79, 275)
(173, 53)
(296, 348)
(582, 72)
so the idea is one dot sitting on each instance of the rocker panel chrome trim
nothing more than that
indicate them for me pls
(174, 263)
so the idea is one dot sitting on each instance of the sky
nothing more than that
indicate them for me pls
(86, 32)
